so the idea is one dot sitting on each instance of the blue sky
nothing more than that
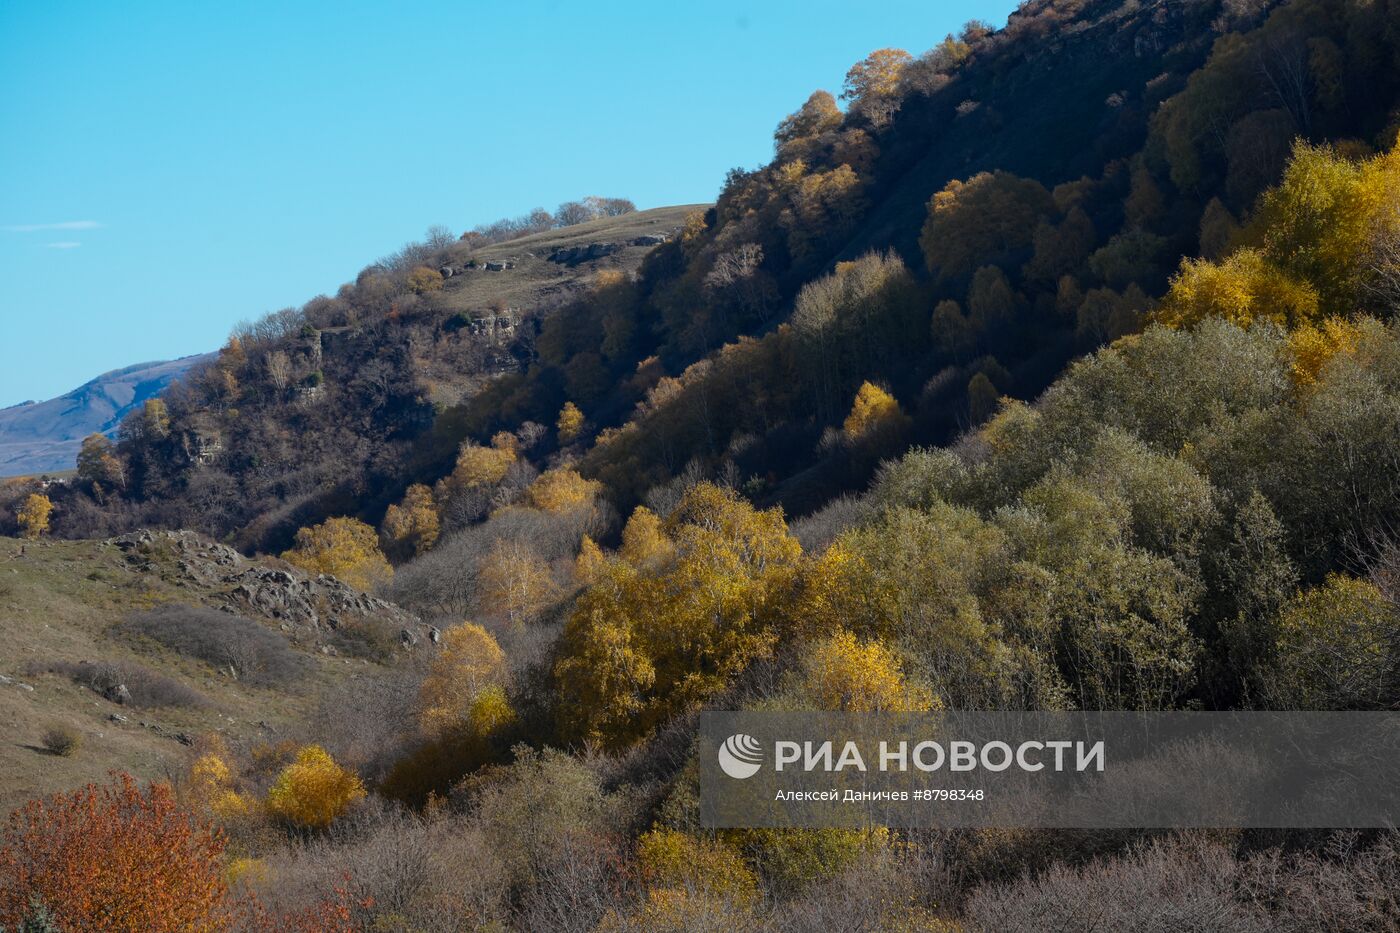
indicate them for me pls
(168, 169)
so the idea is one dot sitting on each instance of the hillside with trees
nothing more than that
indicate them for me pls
(975, 218)
(1059, 371)
(44, 437)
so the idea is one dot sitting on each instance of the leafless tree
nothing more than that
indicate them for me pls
(609, 207)
(439, 237)
(1283, 63)
(279, 369)
(269, 328)
(1381, 274)
(571, 213)
(530, 434)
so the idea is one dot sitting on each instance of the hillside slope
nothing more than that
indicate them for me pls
(43, 437)
(975, 219)
(64, 606)
(330, 409)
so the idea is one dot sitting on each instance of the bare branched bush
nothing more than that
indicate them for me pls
(405, 872)
(269, 329)
(442, 583)
(818, 530)
(144, 687)
(575, 886)
(883, 889)
(1177, 885)
(368, 721)
(1345, 887)
(238, 646)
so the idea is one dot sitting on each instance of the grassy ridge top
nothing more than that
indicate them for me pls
(534, 278)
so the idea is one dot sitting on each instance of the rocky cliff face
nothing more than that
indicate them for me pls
(312, 609)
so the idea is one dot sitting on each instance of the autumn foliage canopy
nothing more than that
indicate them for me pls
(112, 857)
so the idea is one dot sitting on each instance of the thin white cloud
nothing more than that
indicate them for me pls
(64, 225)
(64, 244)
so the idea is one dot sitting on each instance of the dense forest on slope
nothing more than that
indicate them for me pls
(975, 218)
(1106, 424)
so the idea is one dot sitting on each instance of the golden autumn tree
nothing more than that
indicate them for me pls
(1319, 224)
(346, 548)
(841, 672)
(818, 115)
(98, 462)
(644, 540)
(872, 84)
(643, 644)
(439, 763)
(411, 527)
(477, 466)
(606, 672)
(670, 859)
(1243, 288)
(1334, 649)
(874, 412)
(1314, 345)
(464, 729)
(1311, 249)
(113, 857)
(570, 423)
(825, 204)
(155, 419)
(313, 790)
(989, 219)
(422, 280)
(589, 562)
(468, 662)
(33, 515)
(210, 784)
(562, 490)
(512, 581)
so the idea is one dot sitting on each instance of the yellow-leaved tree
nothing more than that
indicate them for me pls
(477, 466)
(33, 515)
(1320, 243)
(342, 547)
(468, 662)
(98, 462)
(644, 541)
(211, 788)
(872, 84)
(1314, 345)
(589, 562)
(841, 672)
(514, 582)
(874, 412)
(411, 527)
(422, 279)
(670, 859)
(313, 790)
(644, 644)
(570, 423)
(562, 490)
(464, 731)
(155, 419)
(1243, 288)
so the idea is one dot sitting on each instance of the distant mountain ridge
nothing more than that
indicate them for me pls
(44, 437)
